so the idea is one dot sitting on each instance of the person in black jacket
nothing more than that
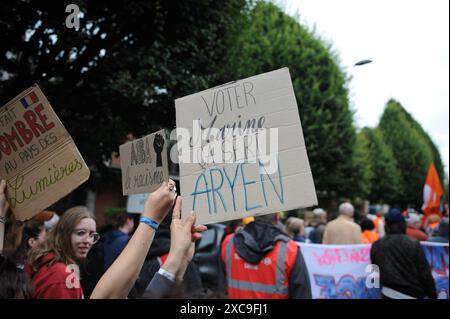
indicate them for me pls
(404, 269)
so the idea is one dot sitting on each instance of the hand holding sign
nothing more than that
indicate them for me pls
(182, 244)
(160, 201)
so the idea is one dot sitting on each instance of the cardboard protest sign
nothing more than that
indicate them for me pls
(144, 164)
(38, 158)
(245, 153)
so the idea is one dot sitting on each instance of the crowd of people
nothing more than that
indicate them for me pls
(64, 256)
(41, 266)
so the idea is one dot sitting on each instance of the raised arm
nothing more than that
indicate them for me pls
(3, 209)
(121, 276)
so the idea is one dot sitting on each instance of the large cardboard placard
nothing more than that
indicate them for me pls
(225, 191)
(38, 158)
(144, 164)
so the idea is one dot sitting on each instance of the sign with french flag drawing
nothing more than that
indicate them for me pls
(28, 100)
(38, 158)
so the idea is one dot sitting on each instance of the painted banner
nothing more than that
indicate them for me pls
(242, 151)
(38, 157)
(437, 256)
(345, 271)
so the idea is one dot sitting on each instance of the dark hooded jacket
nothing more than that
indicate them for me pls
(256, 240)
(403, 266)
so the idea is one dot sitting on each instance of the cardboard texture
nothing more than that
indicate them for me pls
(38, 158)
(227, 191)
(144, 164)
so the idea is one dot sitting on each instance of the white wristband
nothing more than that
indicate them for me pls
(166, 274)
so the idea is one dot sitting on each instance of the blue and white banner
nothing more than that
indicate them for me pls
(345, 271)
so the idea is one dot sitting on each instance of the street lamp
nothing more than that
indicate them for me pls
(362, 62)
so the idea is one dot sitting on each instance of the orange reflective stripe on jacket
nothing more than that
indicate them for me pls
(268, 279)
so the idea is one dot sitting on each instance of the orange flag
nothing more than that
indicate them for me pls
(432, 192)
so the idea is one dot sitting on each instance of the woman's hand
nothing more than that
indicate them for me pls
(160, 201)
(182, 241)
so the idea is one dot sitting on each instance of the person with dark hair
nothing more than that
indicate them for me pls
(261, 261)
(116, 239)
(14, 282)
(21, 237)
(368, 233)
(404, 269)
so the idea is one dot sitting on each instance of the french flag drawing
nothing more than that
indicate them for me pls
(29, 100)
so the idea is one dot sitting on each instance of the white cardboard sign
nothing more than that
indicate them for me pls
(237, 187)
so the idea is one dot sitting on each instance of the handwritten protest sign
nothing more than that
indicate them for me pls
(245, 154)
(38, 158)
(144, 164)
(345, 271)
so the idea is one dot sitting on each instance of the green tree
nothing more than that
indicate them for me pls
(411, 150)
(121, 71)
(437, 160)
(385, 182)
(363, 165)
(271, 40)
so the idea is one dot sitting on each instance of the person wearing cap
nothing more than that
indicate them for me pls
(442, 233)
(343, 230)
(413, 227)
(404, 269)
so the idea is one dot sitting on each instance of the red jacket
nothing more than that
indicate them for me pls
(56, 281)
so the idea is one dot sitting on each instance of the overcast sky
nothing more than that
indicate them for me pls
(408, 41)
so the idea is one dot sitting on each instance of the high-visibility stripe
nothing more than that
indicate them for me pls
(280, 266)
(278, 288)
(257, 287)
